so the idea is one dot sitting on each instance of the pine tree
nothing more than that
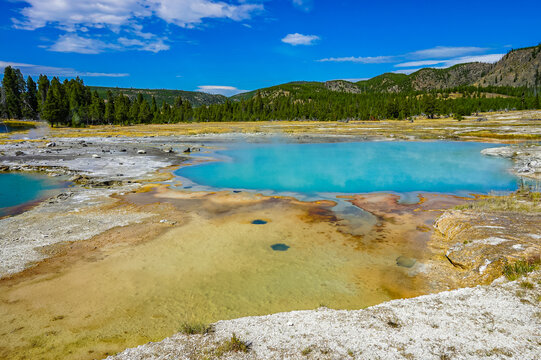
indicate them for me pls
(133, 113)
(153, 105)
(97, 108)
(31, 99)
(12, 93)
(145, 113)
(109, 114)
(43, 88)
(122, 108)
(56, 107)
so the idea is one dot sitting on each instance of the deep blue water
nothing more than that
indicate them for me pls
(19, 189)
(439, 166)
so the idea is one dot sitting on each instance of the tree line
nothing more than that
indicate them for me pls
(326, 105)
(72, 103)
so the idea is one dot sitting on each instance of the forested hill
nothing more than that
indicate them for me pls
(512, 83)
(195, 98)
(519, 68)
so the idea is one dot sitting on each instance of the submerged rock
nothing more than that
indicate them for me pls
(405, 261)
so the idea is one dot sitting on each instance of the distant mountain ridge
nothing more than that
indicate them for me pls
(518, 68)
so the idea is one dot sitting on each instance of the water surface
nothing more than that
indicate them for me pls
(9, 127)
(19, 189)
(361, 167)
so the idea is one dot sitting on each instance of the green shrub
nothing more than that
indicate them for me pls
(520, 268)
(197, 328)
(232, 345)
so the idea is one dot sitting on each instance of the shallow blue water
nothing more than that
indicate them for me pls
(18, 189)
(439, 166)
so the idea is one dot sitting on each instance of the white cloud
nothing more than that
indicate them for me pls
(420, 63)
(305, 5)
(31, 69)
(362, 60)
(300, 39)
(76, 44)
(445, 63)
(72, 14)
(355, 79)
(489, 58)
(121, 19)
(220, 89)
(187, 13)
(445, 52)
(406, 71)
(73, 43)
(153, 45)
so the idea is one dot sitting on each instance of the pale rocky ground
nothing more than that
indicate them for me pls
(74, 215)
(475, 245)
(499, 321)
(77, 213)
(527, 159)
(124, 159)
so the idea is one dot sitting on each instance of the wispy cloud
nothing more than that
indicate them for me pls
(444, 63)
(31, 69)
(120, 22)
(360, 59)
(152, 45)
(355, 79)
(300, 39)
(445, 52)
(220, 89)
(74, 43)
(406, 71)
(421, 58)
(420, 63)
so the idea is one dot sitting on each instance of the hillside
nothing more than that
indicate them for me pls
(516, 69)
(297, 88)
(520, 67)
(196, 98)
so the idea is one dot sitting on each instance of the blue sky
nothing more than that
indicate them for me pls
(229, 46)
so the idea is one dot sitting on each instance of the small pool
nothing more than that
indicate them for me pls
(17, 189)
(9, 127)
(359, 167)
